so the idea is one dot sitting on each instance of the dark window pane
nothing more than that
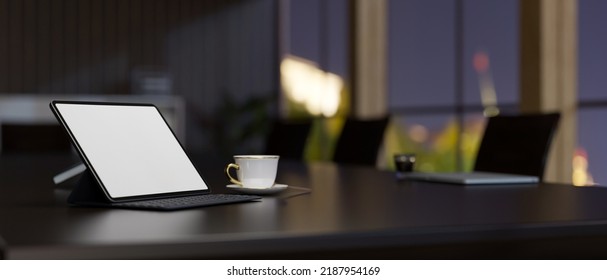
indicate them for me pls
(421, 60)
(491, 31)
(319, 32)
(592, 137)
(304, 22)
(592, 57)
(337, 33)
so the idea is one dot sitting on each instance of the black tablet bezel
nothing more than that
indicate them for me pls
(91, 168)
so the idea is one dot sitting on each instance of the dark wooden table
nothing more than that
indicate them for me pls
(352, 212)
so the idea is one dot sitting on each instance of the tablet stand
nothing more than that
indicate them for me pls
(87, 192)
(68, 174)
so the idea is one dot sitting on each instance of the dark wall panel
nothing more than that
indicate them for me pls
(160, 31)
(96, 46)
(148, 31)
(43, 33)
(84, 46)
(57, 75)
(4, 61)
(174, 65)
(111, 53)
(185, 39)
(93, 46)
(123, 43)
(207, 49)
(197, 45)
(30, 45)
(15, 44)
(70, 32)
(136, 34)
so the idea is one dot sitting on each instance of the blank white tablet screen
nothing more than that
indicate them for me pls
(131, 149)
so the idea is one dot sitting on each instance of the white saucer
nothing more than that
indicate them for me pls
(271, 190)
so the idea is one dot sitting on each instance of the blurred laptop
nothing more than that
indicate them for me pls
(473, 178)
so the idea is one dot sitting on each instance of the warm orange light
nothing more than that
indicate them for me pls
(580, 175)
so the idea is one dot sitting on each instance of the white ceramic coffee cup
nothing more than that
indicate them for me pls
(254, 171)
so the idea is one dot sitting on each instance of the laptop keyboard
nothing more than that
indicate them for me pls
(185, 202)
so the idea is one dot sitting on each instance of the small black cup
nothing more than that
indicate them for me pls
(404, 163)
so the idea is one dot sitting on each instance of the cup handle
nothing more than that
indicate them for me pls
(227, 170)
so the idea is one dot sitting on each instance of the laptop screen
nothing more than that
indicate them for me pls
(130, 149)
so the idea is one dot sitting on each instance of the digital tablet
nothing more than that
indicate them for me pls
(129, 149)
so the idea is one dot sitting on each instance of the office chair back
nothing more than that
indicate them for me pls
(360, 141)
(517, 144)
(288, 138)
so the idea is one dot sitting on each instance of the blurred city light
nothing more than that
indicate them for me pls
(306, 84)
(581, 176)
(418, 133)
(487, 89)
